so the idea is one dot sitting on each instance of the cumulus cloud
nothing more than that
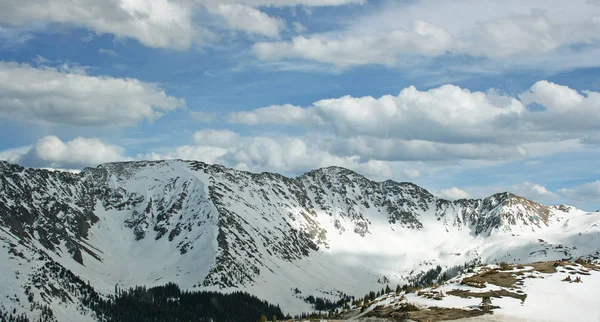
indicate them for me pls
(566, 109)
(422, 39)
(294, 155)
(527, 34)
(587, 191)
(69, 96)
(218, 138)
(250, 20)
(411, 173)
(289, 155)
(533, 191)
(453, 193)
(13, 154)
(444, 114)
(52, 152)
(446, 123)
(155, 23)
(208, 154)
(508, 31)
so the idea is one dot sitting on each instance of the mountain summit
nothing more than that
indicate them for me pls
(327, 232)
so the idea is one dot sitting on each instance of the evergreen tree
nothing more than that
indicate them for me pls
(398, 289)
(371, 295)
(388, 289)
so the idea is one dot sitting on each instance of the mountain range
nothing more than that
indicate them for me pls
(325, 233)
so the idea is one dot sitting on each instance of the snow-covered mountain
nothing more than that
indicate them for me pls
(326, 232)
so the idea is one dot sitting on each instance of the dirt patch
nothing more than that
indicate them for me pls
(496, 294)
(443, 314)
(493, 276)
(547, 267)
(408, 311)
(397, 312)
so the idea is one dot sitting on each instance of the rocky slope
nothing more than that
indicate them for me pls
(208, 227)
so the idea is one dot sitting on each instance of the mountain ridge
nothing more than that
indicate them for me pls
(209, 227)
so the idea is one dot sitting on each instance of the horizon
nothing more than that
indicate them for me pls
(76, 171)
(495, 97)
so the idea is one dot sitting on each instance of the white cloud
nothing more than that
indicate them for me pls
(444, 114)
(108, 52)
(422, 39)
(566, 109)
(288, 155)
(249, 20)
(533, 191)
(14, 153)
(155, 23)
(298, 27)
(528, 34)
(512, 32)
(446, 123)
(68, 96)
(206, 154)
(52, 152)
(411, 173)
(422, 150)
(278, 114)
(588, 191)
(217, 138)
(453, 194)
(294, 155)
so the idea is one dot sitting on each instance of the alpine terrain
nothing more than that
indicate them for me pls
(327, 233)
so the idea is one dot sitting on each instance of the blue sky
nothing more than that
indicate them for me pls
(464, 97)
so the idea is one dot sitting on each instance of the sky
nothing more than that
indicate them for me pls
(464, 97)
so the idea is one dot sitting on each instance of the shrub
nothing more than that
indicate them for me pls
(504, 266)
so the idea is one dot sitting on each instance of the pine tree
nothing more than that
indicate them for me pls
(398, 289)
(387, 289)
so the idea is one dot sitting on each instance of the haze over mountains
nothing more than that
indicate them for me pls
(206, 227)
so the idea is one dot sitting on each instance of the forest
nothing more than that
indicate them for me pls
(169, 303)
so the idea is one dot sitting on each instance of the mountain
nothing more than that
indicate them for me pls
(325, 233)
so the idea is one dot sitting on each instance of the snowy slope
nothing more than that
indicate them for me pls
(208, 227)
(535, 296)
